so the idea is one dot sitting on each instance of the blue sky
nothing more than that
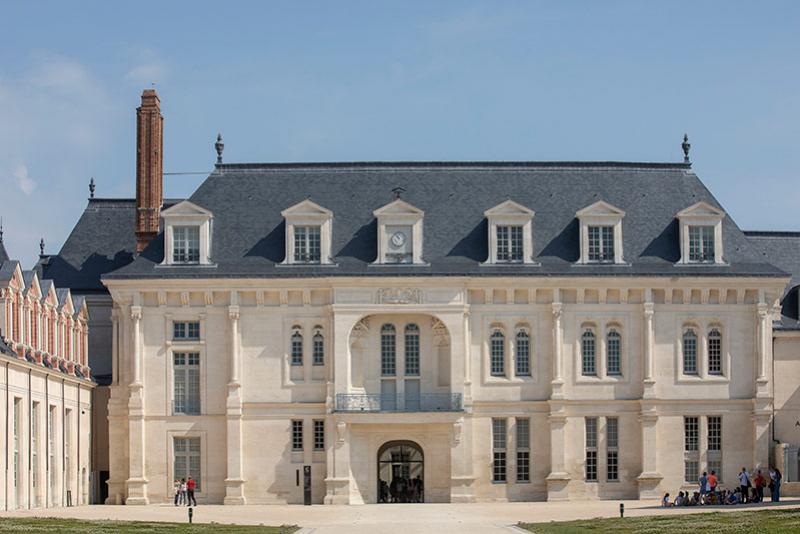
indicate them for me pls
(313, 81)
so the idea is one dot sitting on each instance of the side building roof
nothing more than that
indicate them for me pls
(782, 249)
(248, 229)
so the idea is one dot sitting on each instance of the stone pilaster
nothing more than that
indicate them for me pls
(558, 479)
(137, 482)
(558, 363)
(650, 478)
(234, 482)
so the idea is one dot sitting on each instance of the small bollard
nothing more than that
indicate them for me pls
(622, 509)
(191, 513)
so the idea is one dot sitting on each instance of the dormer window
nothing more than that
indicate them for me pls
(399, 233)
(187, 234)
(701, 234)
(308, 234)
(600, 233)
(601, 244)
(307, 244)
(510, 233)
(186, 244)
(701, 244)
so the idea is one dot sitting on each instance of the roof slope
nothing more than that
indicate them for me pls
(3, 253)
(102, 241)
(248, 241)
(782, 249)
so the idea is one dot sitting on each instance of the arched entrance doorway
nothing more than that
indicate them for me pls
(401, 472)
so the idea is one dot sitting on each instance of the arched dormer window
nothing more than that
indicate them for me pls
(388, 350)
(297, 346)
(714, 351)
(689, 351)
(523, 352)
(318, 347)
(588, 353)
(497, 353)
(412, 350)
(613, 352)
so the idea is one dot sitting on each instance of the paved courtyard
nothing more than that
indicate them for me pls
(488, 518)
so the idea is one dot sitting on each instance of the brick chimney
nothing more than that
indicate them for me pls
(149, 168)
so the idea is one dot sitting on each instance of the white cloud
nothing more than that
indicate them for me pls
(24, 181)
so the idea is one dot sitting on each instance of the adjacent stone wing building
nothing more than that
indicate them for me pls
(438, 332)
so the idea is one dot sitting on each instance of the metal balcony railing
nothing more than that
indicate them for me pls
(426, 402)
(186, 407)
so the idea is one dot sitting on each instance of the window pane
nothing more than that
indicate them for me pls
(503, 248)
(591, 432)
(307, 244)
(608, 243)
(297, 348)
(701, 243)
(714, 352)
(523, 433)
(714, 433)
(186, 244)
(499, 450)
(690, 433)
(612, 432)
(319, 349)
(588, 353)
(689, 352)
(297, 435)
(412, 350)
(614, 349)
(497, 354)
(319, 435)
(388, 350)
(523, 353)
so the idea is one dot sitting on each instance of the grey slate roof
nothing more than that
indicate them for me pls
(247, 200)
(7, 269)
(102, 240)
(782, 249)
(3, 254)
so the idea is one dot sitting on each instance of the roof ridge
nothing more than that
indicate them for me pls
(771, 233)
(454, 164)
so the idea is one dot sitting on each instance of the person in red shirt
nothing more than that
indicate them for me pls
(190, 486)
(712, 484)
(759, 483)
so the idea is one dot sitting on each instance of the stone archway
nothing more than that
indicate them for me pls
(401, 473)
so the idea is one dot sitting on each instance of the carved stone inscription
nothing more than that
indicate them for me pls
(392, 295)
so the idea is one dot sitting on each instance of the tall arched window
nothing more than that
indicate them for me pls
(523, 356)
(714, 352)
(497, 353)
(588, 353)
(388, 350)
(689, 352)
(297, 346)
(614, 353)
(318, 347)
(412, 350)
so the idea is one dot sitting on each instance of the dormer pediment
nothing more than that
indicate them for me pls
(509, 208)
(601, 208)
(65, 304)
(307, 208)
(49, 293)
(32, 287)
(701, 210)
(186, 208)
(398, 207)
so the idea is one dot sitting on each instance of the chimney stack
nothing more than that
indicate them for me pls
(149, 168)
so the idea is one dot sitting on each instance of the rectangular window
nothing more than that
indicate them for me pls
(297, 348)
(186, 330)
(691, 447)
(51, 457)
(714, 352)
(307, 244)
(297, 435)
(714, 452)
(591, 449)
(67, 447)
(35, 451)
(318, 349)
(689, 352)
(523, 354)
(509, 244)
(319, 435)
(701, 244)
(186, 383)
(186, 461)
(16, 435)
(497, 354)
(523, 450)
(412, 350)
(588, 354)
(612, 449)
(186, 244)
(601, 243)
(614, 353)
(388, 352)
(498, 450)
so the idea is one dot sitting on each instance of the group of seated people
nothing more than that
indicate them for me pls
(751, 489)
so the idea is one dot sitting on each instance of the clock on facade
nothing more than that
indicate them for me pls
(398, 239)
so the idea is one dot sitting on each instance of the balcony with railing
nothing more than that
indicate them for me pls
(376, 403)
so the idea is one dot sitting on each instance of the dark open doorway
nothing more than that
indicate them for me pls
(401, 473)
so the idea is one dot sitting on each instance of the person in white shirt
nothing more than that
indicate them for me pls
(744, 484)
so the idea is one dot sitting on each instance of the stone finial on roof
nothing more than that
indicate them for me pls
(91, 188)
(686, 146)
(41, 247)
(219, 146)
(398, 191)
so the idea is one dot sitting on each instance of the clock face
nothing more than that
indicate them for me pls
(398, 239)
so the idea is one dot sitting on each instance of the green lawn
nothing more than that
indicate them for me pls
(74, 526)
(772, 521)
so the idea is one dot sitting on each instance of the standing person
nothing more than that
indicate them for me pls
(182, 499)
(712, 485)
(744, 484)
(177, 487)
(703, 482)
(759, 483)
(775, 484)
(190, 486)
